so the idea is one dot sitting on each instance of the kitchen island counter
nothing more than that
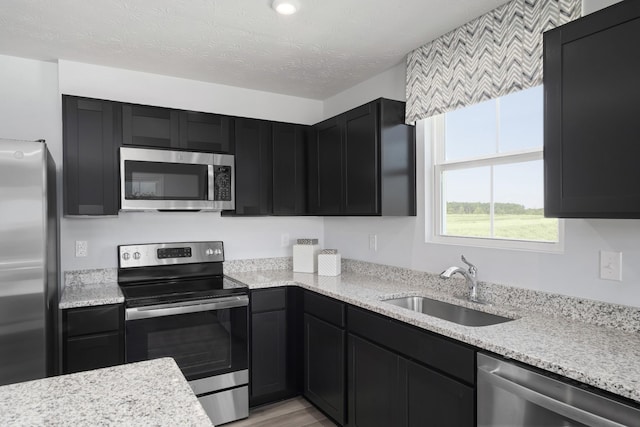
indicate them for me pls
(145, 393)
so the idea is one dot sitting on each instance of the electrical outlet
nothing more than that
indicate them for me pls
(373, 242)
(82, 248)
(611, 265)
(284, 240)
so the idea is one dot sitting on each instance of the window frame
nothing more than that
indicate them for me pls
(435, 158)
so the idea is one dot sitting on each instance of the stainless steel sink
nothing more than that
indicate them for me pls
(451, 312)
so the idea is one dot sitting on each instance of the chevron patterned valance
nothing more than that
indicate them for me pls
(493, 55)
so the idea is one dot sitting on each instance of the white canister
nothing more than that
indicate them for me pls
(329, 263)
(305, 254)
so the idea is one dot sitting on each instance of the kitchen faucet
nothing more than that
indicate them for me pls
(470, 276)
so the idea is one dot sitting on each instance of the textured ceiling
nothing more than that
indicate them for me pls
(329, 46)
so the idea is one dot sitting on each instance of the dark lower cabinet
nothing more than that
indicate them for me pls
(324, 355)
(275, 345)
(430, 398)
(385, 389)
(360, 368)
(324, 384)
(93, 337)
(91, 133)
(373, 385)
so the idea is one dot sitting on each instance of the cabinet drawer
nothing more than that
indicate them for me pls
(92, 320)
(325, 308)
(447, 356)
(268, 299)
(93, 352)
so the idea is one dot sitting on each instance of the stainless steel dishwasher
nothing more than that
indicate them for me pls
(510, 395)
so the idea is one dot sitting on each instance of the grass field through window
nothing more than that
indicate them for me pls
(506, 226)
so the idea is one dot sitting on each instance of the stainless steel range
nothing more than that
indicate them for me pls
(179, 304)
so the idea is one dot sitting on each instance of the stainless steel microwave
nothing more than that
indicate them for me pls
(154, 179)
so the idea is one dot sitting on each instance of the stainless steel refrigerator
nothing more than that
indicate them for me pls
(28, 261)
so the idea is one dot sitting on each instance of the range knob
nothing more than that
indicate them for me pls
(209, 252)
(218, 251)
(126, 256)
(136, 255)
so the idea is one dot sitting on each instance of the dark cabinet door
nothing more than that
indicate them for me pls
(91, 141)
(324, 351)
(253, 157)
(326, 182)
(92, 337)
(205, 132)
(93, 352)
(362, 162)
(289, 169)
(373, 385)
(150, 126)
(431, 398)
(269, 353)
(591, 116)
(361, 149)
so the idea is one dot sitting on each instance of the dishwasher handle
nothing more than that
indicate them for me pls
(556, 406)
(162, 310)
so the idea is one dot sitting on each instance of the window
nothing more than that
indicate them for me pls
(488, 175)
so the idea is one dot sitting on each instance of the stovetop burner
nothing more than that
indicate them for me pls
(163, 292)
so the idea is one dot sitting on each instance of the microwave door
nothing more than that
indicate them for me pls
(165, 180)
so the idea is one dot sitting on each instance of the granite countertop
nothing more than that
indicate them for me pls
(85, 295)
(600, 356)
(145, 393)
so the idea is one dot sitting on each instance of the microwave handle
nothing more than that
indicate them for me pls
(210, 176)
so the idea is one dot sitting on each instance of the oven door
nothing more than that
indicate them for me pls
(206, 338)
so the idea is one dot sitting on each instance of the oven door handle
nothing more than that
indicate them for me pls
(162, 310)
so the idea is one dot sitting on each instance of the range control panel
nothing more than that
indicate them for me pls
(152, 254)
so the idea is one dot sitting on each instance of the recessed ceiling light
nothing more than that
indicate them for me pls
(285, 7)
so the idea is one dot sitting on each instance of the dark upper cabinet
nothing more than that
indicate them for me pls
(253, 157)
(362, 162)
(150, 126)
(325, 168)
(205, 132)
(159, 127)
(591, 115)
(270, 168)
(289, 169)
(91, 134)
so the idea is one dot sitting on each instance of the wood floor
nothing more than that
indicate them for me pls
(295, 412)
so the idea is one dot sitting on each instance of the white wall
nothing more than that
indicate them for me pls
(590, 6)
(388, 84)
(164, 91)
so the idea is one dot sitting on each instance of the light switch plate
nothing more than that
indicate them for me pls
(611, 265)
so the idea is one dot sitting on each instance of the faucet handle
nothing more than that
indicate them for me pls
(472, 268)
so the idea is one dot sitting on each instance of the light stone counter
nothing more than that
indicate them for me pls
(603, 357)
(85, 288)
(137, 394)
